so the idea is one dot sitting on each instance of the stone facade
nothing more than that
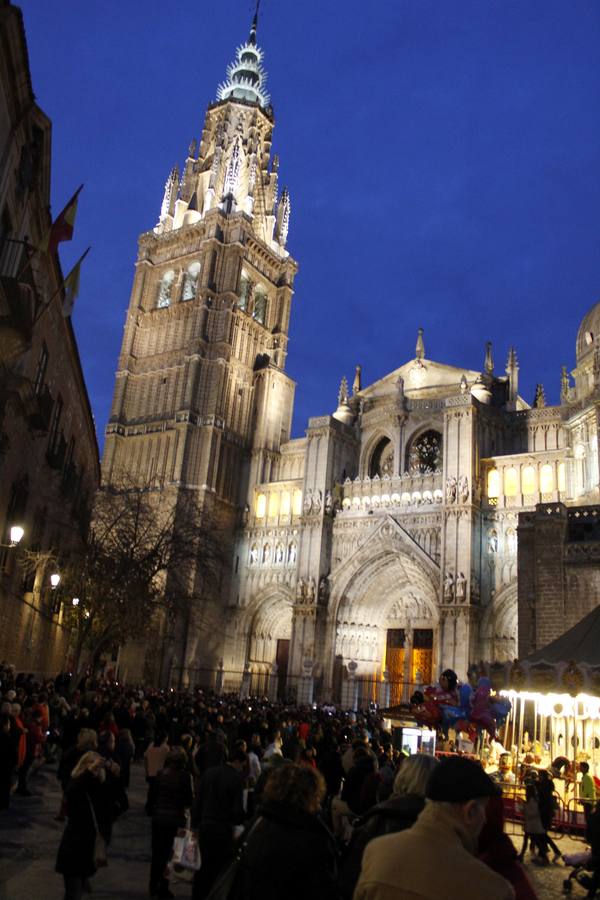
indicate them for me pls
(385, 539)
(49, 468)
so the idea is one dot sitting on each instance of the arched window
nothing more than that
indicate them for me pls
(528, 480)
(260, 306)
(273, 504)
(286, 501)
(165, 288)
(244, 292)
(190, 282)
(382, 459)
(546, 479)
(261, 506)
(511, 482)
(424, 453)
(493, 484)
(562, 478)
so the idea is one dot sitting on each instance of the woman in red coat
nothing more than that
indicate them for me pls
(498, 852)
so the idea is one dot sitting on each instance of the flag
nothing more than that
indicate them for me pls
(62, 227)
(71, 286)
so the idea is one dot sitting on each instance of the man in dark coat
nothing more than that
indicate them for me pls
(218, 810)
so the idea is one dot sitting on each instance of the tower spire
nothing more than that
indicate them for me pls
(245, 76)
(420, 348)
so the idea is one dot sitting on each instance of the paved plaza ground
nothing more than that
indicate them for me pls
(29, 838)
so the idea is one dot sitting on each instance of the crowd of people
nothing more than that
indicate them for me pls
(282, 800)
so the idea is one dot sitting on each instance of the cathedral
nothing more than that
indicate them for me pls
(382, 545)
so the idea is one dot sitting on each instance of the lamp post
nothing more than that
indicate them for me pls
(54, 580)
(16, 535)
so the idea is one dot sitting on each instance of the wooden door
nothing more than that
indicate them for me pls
(422, 655)
(394, 663)
(281, 658)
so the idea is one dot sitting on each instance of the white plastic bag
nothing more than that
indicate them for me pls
(186, 857)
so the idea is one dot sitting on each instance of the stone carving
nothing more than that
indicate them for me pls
(253, 556)
(310, 590)
(279, 553)
(301, 590)
(292, 552)
(493, 542)
(323, 589)
(449, 587)
(328, 503)
(451, 489)
(308, 502)
(461, 587)
(463, 488)
(317, 501)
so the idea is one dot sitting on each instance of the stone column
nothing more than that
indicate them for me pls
(350, 687)
(383, 694)
(220, 678)
(245, 687)
(273, 683)
(306, 686)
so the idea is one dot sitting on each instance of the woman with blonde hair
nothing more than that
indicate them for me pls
(87, 819)
(397, 813)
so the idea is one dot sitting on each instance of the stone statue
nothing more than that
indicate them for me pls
(292, 553)
(317, 501)
(451, 489)
(279, 554)
(301, 590)
(463, 488)
(310, 590)
(323, 589)
(461, 587)
(449, 586)
(328, 503)
(464, 385)
(253, 556)
(308, 502)
(493, 542)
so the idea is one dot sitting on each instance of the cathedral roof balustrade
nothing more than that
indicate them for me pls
(404, 491)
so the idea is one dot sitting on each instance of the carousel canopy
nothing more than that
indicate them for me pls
(580, 644)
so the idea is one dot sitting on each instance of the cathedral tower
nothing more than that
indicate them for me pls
(202, 402)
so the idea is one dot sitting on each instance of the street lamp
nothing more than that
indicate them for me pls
(75, 601)
(54, 580)
(16, 534)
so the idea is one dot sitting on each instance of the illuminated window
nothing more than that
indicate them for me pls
(493, 483)
(244, 291)
(190, 282)
(528, 480)
(546, 479)
(273, 505)
(297, 503)
(511, 482)
(562, 478)
(286, 503)
(260, 306)
(261, 506)
(164, 289)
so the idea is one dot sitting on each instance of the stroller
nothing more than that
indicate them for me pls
(582, 871)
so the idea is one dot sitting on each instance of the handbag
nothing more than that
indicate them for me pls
(228, 885)
(100, 858)
(185, 859)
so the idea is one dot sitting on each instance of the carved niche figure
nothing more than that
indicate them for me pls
(451, 489)
(463, 488)
(253, 555)
(308, 502)
(279, 553)
(323, 589)
(461, 587)
(266, 554)
(311, 590)
(317, 501)
(449, 587)
(301, 590)
(292, 551)
(328, 503)
(493, 541)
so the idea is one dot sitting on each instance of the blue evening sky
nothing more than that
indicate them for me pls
(443, 159)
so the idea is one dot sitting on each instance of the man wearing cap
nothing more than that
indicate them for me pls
(435, 858)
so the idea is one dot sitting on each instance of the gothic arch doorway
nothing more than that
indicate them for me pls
(269, 639)
(387, 620)
(499, 630)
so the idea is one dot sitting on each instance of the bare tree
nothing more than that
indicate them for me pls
(142, 545)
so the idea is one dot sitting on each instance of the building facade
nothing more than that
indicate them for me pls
(49, 467)
(384, 540)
